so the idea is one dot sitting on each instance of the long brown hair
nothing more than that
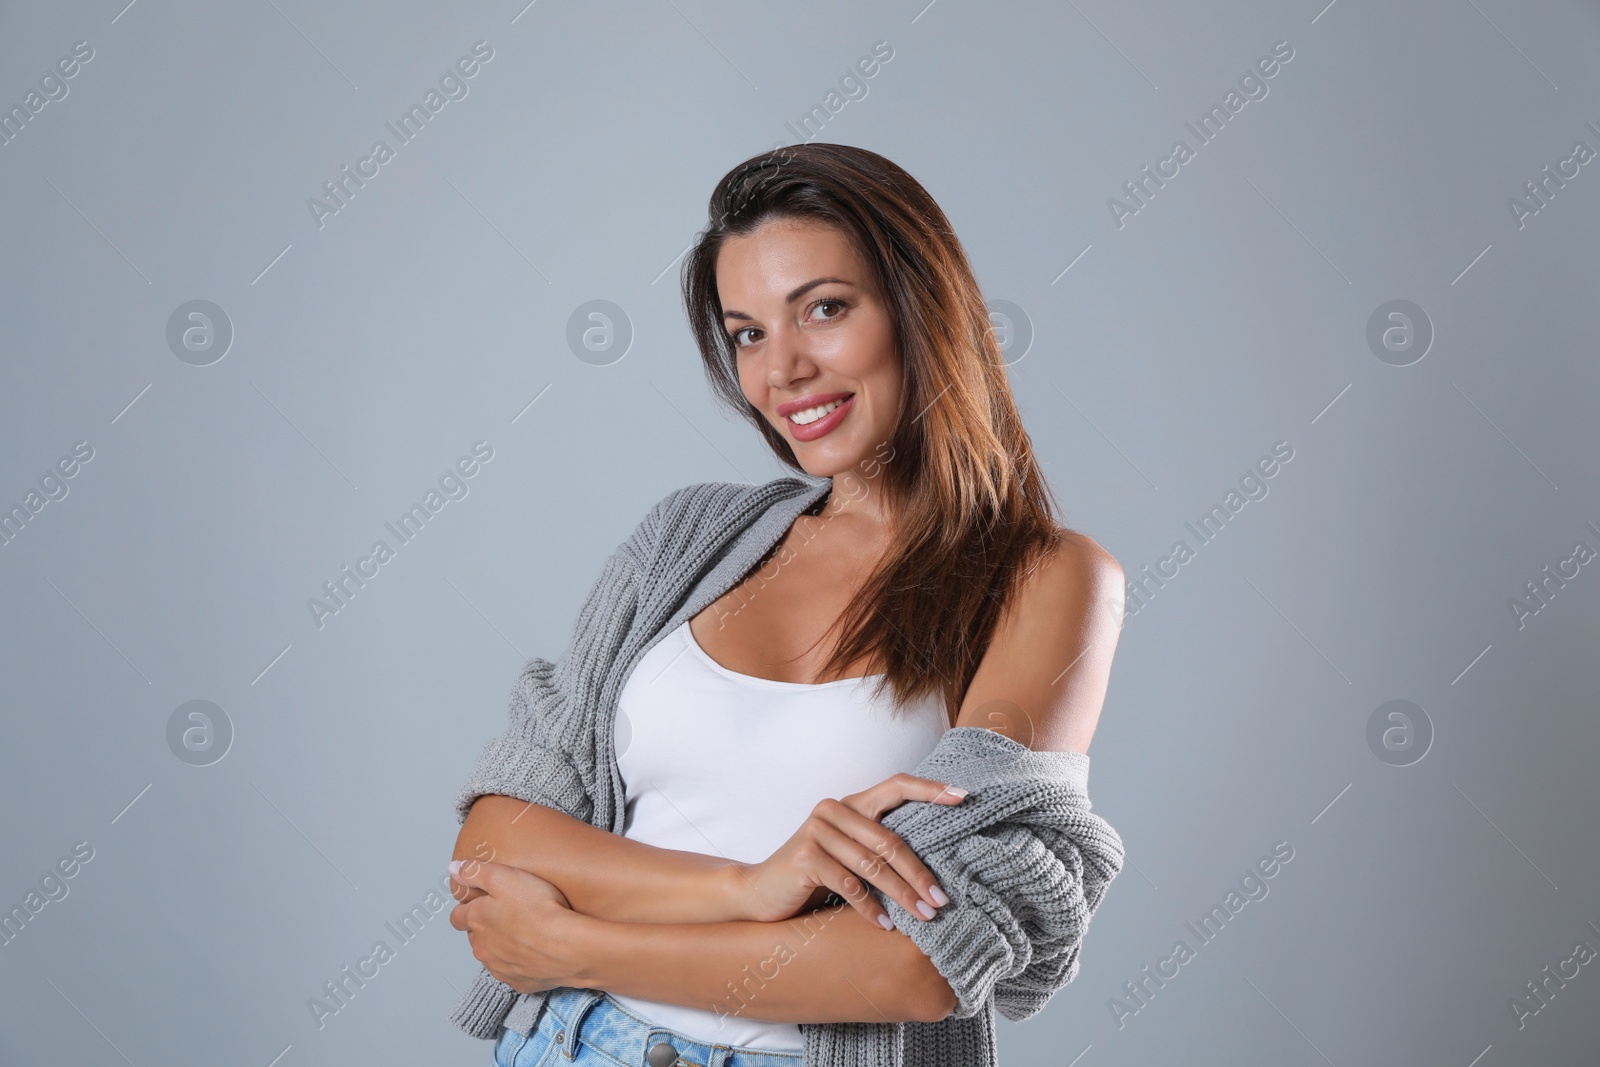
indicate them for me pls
(971, 513)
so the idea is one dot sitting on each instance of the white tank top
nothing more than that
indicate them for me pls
(727, 764)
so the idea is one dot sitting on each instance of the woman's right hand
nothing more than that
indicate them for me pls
(840, 846)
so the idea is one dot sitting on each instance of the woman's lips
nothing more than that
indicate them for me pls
(824, 425)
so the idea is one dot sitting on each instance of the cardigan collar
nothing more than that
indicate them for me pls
(676, 596)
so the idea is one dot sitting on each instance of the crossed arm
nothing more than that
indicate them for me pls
(665, 925)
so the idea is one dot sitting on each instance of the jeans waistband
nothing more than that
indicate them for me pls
(590, 1015)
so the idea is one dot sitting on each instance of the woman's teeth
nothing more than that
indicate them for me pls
(810, 415)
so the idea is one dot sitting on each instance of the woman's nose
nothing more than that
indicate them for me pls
(786, 359)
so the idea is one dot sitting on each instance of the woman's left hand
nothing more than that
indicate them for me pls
(523, 929)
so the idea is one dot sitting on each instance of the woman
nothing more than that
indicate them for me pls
(701, 840)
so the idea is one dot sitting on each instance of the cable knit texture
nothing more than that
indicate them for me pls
(1023, 858)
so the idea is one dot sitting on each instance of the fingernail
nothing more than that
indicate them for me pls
(939, 899)
(923, 909)
(455, 868)
(955, 791)
(884, 921)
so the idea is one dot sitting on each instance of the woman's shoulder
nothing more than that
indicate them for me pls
(1079, 552)
(1072, 574)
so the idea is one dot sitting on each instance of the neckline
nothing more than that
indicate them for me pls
(766, 683)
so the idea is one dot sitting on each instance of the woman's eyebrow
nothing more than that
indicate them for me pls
(729, 313)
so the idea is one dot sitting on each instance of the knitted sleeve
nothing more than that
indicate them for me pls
(528, 761)
(547, 755)
(1024, 861)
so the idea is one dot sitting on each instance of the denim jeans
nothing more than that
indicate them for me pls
(586, 1028)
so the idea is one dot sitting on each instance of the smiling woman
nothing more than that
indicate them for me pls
(818, 833)
(845, 328)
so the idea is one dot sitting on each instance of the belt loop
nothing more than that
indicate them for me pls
(581, 1004)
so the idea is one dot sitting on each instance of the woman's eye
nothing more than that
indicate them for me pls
(838, 305)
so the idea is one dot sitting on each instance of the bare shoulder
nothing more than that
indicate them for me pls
(1081, 546)
(1044, 676)
(1075, 575)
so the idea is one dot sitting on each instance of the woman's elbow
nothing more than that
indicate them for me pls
(934, 1000)
(902, 983)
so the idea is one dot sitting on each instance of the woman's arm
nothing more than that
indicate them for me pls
(1025, 860)
(602, 874)
(827, 965)
(841, 847)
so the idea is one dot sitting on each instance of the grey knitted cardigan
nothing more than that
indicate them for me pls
(1023, 859)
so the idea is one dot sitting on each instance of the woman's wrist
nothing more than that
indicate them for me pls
(585, 944)
(728, 889)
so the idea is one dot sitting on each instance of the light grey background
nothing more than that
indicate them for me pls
(1228, 314)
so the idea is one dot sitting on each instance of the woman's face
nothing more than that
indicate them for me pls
(810, 331)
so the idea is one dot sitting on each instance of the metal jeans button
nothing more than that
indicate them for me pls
(662, 1055)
